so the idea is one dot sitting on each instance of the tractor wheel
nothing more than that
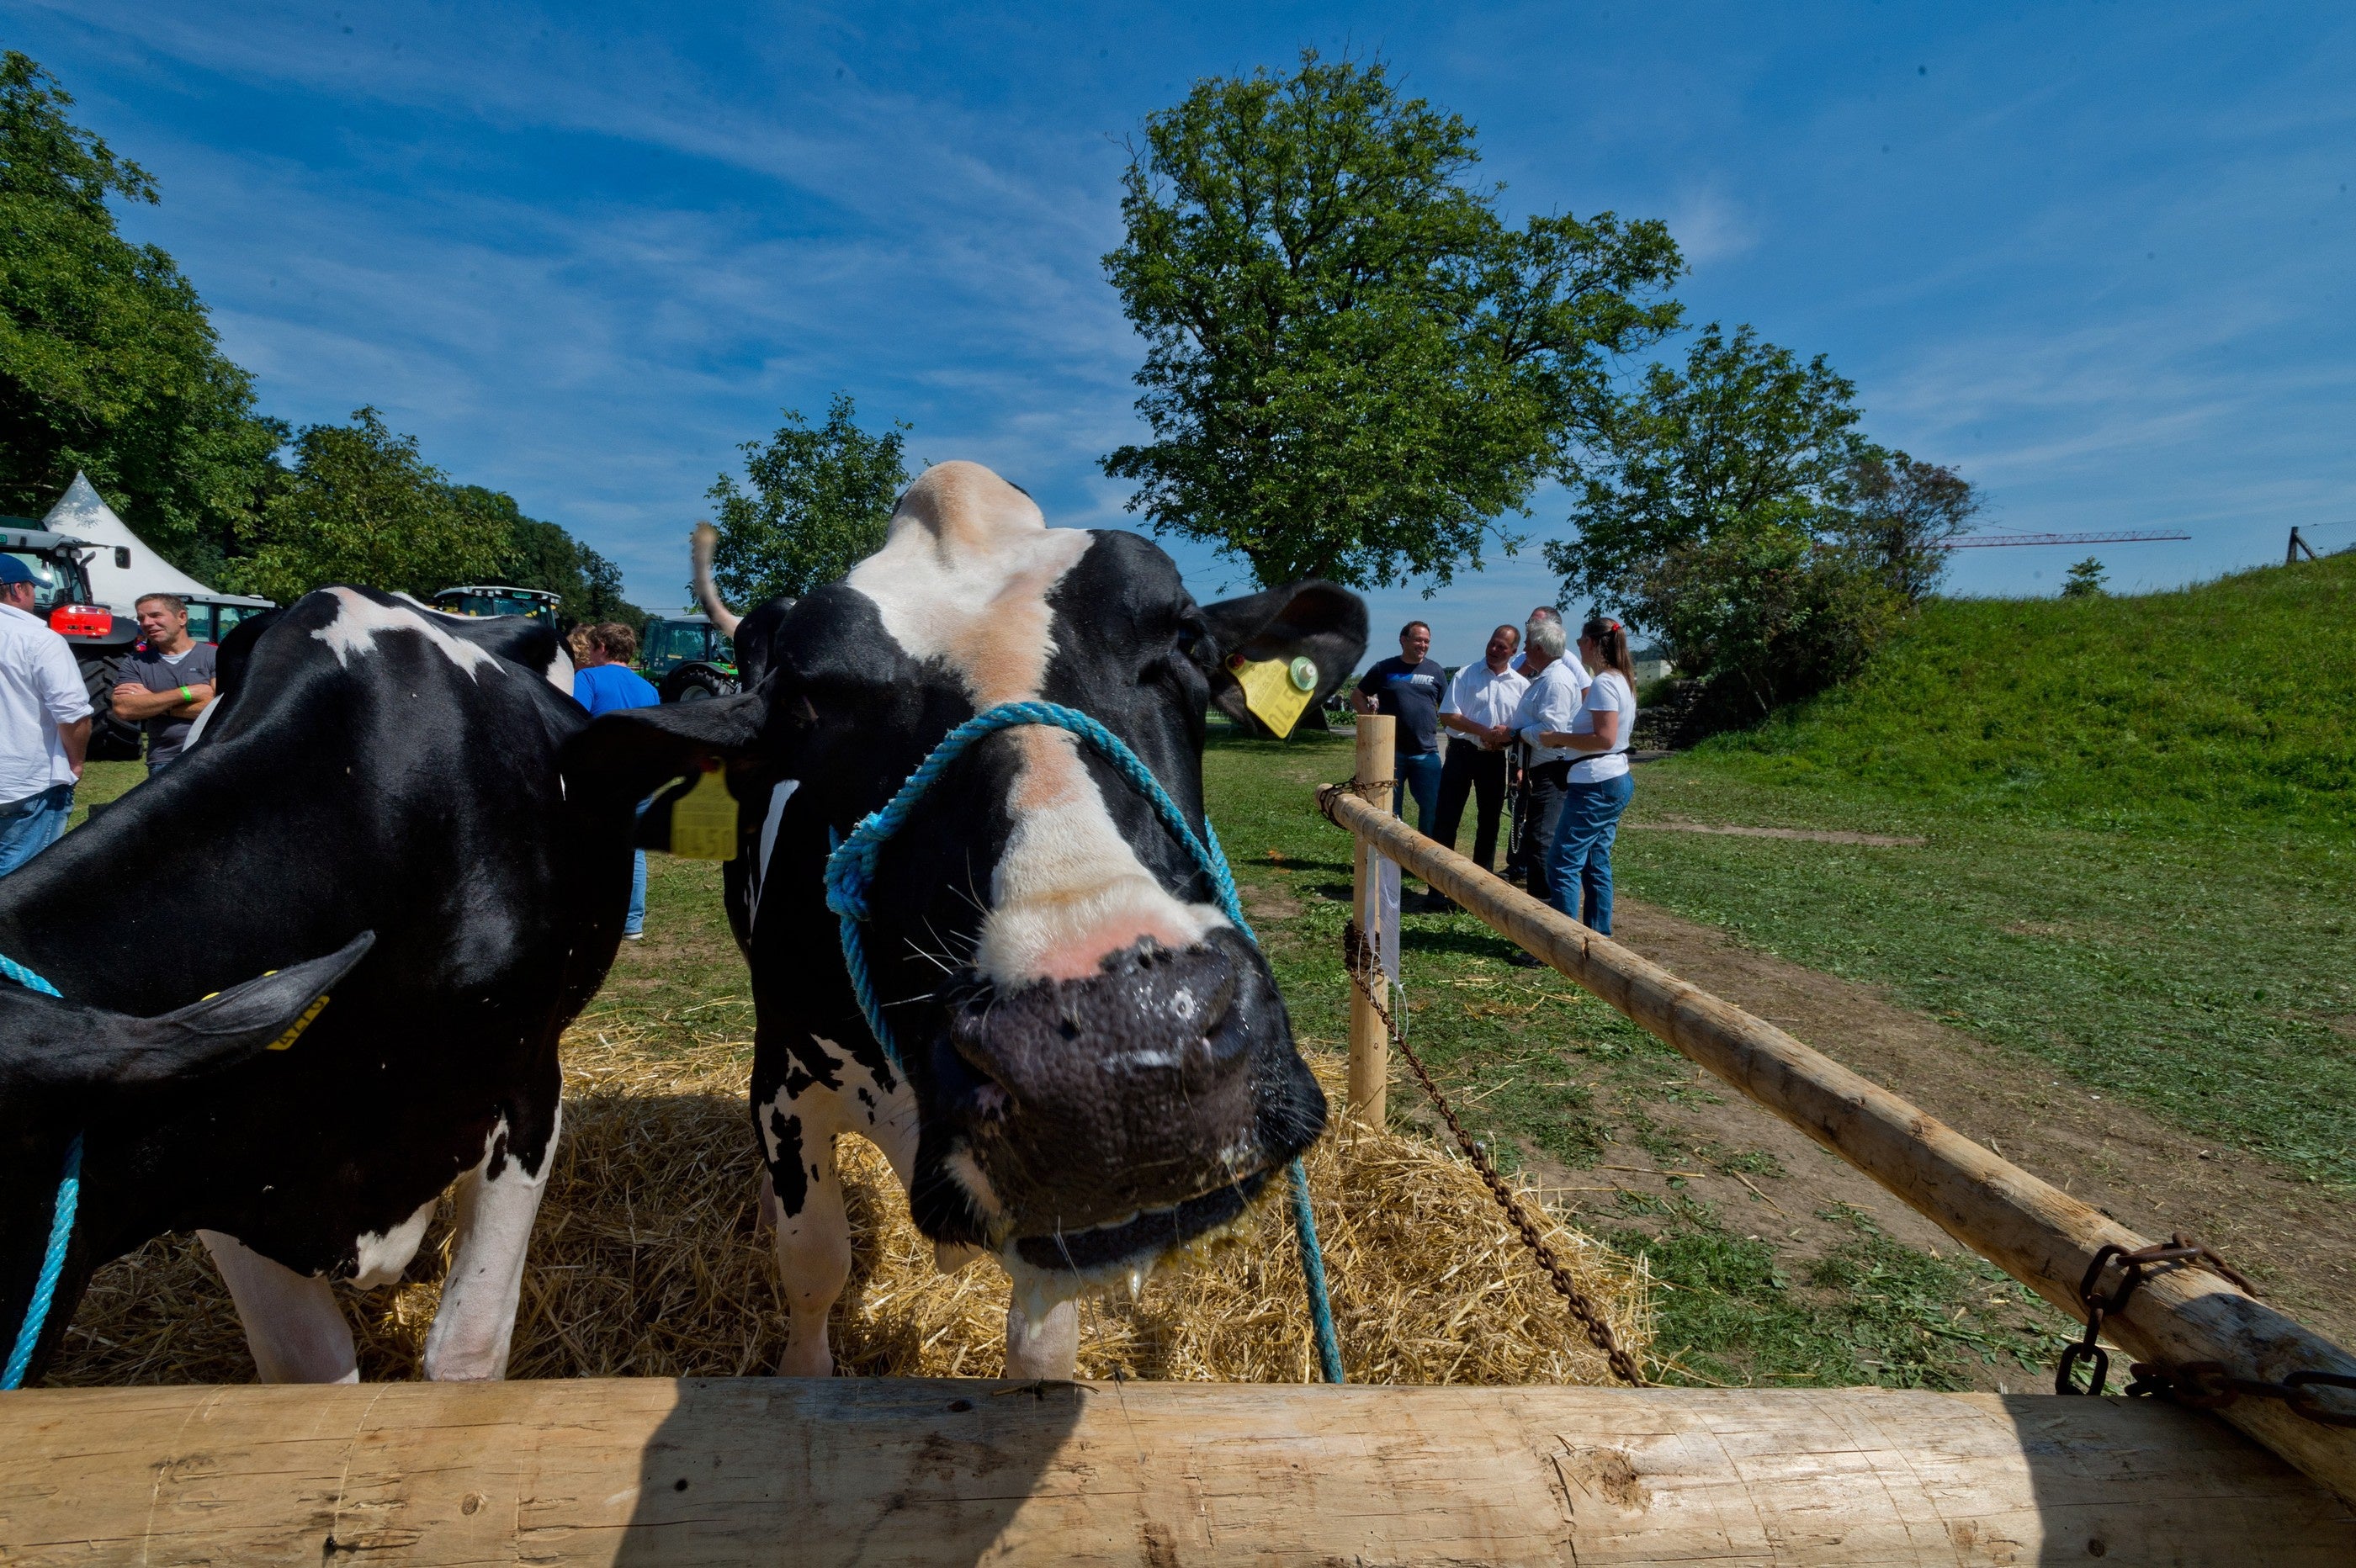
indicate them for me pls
(111, 739)
(697, 683)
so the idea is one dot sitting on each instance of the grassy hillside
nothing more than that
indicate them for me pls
(2234, 700)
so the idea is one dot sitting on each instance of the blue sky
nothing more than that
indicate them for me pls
(2101, 256)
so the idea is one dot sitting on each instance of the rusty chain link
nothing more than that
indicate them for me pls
(2203, 1385)
(1359, 959)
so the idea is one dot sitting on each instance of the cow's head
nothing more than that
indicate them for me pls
(69, 1070)
(1103, 1067)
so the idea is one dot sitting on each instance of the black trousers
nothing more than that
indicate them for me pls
(1472, 771)
(1547, 784)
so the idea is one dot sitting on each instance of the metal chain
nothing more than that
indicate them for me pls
(2203, 1385)
(1359, 958)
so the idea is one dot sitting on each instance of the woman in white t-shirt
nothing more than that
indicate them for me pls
(1581, 861)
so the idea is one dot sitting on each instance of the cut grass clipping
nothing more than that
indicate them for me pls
(647, 1262)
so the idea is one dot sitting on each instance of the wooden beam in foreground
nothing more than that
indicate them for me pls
(648, 1471)
(2034, 1231)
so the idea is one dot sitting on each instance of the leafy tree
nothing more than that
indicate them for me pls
(1354, 365)
(1721, 521)
(107, 362)
(2086, 581)
(362, 506)
(818, 505)
(544, 555)
(1902, 513)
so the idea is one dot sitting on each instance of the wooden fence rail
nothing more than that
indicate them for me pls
(650, 1471)
(2034, 1231)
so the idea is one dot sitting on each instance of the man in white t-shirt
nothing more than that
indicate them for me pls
(1479, 711)
(44, 722)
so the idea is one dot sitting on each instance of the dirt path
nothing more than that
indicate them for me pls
(2296, 1240)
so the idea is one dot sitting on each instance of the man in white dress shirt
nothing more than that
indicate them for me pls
(1557, 681)
(1479, 710)
(44, 722)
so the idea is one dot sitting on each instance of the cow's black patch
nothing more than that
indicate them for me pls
(785, 1165)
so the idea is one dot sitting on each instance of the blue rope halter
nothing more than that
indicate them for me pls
(850, 871)
(62, 1223)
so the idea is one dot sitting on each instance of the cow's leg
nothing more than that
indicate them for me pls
(498, 1200)
(292, 1325)
(803, 1188)
(1043, 1346)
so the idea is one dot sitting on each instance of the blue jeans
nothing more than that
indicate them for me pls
(32, 824)
(1419, 774)
(1581, 861)
(634, 922)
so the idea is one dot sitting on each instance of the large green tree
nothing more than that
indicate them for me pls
(1724, 522)
(814, 504)
(1355, 368)
(107, 362)
(361, 506)
(1905, 514)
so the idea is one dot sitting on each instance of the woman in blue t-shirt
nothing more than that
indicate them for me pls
(1601, 782)
(604, 683)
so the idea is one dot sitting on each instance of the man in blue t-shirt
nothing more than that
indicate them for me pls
(1408, 689)
(605, 683)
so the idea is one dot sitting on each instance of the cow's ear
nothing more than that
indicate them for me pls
(225, 1029)
(1304, 640)
(628, 754)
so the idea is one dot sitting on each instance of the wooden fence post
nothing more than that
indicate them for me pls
(1370, 1042)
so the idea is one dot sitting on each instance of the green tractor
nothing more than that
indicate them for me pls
(687, 657)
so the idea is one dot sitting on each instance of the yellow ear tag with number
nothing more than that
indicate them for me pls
(1276, 692)
(703, 821)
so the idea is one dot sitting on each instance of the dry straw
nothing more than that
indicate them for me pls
(647, 1262)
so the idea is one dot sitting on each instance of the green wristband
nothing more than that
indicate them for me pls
(186, 695)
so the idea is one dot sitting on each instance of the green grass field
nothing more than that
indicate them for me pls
(2142, 824)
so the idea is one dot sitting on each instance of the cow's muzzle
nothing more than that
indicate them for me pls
(1124, 1115)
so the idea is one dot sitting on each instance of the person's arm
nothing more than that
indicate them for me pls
(75, 739)
(134, 703)
(1360, 699)
(1602, 738)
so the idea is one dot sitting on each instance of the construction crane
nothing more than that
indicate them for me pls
(1990, 541)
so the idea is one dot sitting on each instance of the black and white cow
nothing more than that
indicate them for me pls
(1098, 1067)
(374, 767)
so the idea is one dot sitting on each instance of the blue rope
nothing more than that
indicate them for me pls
(1312, 1270)
(11, 970)
(53, 1261)
(851, 872)
(53, 1264)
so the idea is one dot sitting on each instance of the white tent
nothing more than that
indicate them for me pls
(81, 514)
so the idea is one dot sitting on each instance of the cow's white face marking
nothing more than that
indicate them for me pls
(358, 619)
(964, 578)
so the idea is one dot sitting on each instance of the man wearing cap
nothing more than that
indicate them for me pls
(44, 722)
(166, 681)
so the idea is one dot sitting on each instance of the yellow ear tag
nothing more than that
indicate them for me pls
(295, 1033)
(1273, 690)
(703, 821)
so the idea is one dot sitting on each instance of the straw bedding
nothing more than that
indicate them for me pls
(647, 1262)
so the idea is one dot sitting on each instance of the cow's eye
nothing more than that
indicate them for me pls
(1195, 644)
